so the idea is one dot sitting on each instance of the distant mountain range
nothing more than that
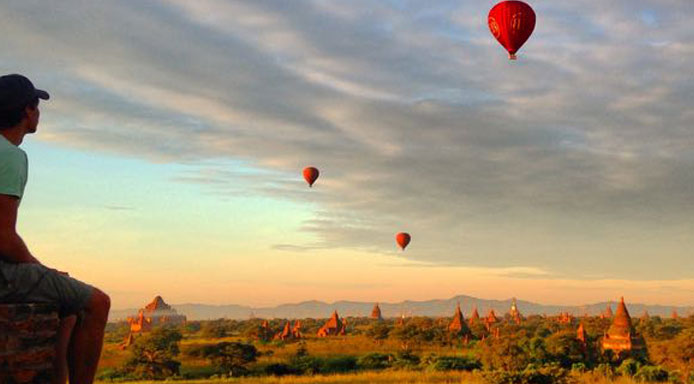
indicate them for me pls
(431, 308)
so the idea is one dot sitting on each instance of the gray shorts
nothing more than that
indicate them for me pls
(34, 283)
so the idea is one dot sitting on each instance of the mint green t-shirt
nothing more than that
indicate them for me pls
(13, 169)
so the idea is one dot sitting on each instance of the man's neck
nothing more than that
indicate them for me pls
(14, 135)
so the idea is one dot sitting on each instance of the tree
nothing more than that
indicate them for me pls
(566, 349)
(214, 329)
(230, 357)
(375, 361)
(192, 327)
(677, 352)
(629, 367)
(153, 355)
(651, 374)
(378, 332)
(408, 335)
(506, 354)
(479, 331)
(667, 330)
(254, 330)
(301, 350)
(454, 363)
(304, 363)
(116, 333)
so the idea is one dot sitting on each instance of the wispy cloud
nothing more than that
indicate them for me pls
(118, 208)
(515, 272)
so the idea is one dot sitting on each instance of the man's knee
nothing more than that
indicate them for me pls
(99, 303)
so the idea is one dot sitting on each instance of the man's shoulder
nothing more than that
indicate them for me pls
(11, 153)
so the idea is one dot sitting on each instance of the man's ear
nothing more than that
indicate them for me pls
(30, 111)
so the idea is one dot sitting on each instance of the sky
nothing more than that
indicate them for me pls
(168, 159)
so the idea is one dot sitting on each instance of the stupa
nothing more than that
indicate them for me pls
(645, 316)
(155, 313)
(581, 334)
(608, 312)
(458, 325)
(565, 318)
(621, 336)
(296, 330)
(376, 313)
(264, 331)
(289, 332)
(515, 313)
(475, 317)
(333, 327)
(491, 319)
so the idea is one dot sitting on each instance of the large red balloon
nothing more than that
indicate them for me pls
(512, 23)
(310, 175)
(403, 239)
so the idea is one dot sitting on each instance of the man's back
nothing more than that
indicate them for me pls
(13, 169)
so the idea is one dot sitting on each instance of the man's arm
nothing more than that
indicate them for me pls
(12, 247)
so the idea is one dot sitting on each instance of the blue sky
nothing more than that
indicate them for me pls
(168, 159)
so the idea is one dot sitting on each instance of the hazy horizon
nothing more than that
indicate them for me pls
(465, 311)
(168, 159)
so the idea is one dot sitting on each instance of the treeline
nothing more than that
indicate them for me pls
(539, 350)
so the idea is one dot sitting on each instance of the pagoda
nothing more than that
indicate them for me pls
(515, 313)
(333, 327)
(400, 321)
(376, 313)
(155, 313)
(621, 336)
(608, 312)
(289, 332)
(491, 319)
(565, 318)
(475, 317)
(645, 316)
(296, 330)
(581, 334)
(264, 331)
(129, 340)
(458, 325)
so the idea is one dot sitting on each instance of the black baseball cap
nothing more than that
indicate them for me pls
(16, 91)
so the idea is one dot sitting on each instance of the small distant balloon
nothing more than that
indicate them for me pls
(311, 175)
(511, 22)
(402, 238)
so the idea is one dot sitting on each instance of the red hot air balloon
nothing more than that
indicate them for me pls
(310, 175)
(403, 239)
(511, 23)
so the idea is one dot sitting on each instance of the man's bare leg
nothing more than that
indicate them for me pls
(60, 369)
(87, 338)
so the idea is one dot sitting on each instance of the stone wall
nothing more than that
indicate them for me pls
(27, 342)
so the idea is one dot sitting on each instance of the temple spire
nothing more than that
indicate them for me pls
(581, 334)
(621, 335)
(458, 324)
(515, 313)
(475, 317)
(376, 313)
(334, 326)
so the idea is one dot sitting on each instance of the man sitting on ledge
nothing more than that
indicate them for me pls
(23, 279)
